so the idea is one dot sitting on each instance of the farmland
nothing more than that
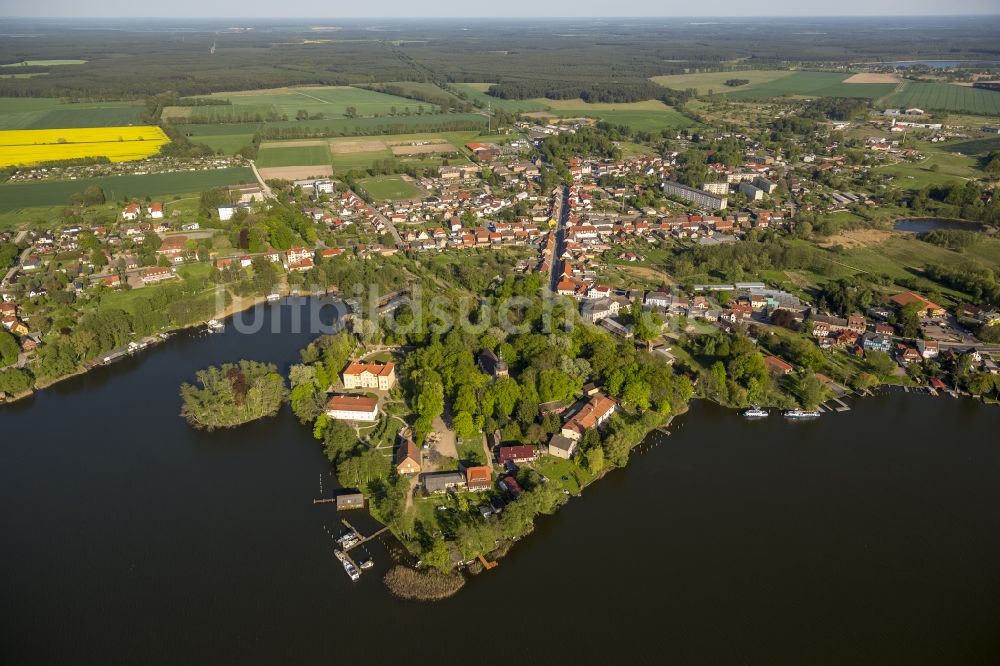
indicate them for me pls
(649, 116)
(811, 84)
(945, 97)
(277, 155)
(477, 92)
(382, 188)
(704, 82)
(28, 195)
(48, 113)
(285, 103)
(118, 144)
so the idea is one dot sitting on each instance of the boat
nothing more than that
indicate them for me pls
(756, 413)
(215, 325)
(351, 570)
(367, 564)
(801, 414)
(271, 298)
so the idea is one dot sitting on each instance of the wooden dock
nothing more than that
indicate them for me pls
(487, 565)
(361, 539)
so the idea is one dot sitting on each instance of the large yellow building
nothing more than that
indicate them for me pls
(381, 376)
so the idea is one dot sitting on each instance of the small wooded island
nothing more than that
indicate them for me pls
(232, 394)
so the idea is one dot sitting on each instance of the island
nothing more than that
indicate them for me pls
(232, 394)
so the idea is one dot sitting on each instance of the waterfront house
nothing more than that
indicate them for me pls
(381, 376)
(777, 366)
(509, 485)
(350, 500)
(561, 446)
(352, 408)
(597, 411)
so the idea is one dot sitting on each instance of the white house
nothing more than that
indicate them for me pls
(352, 408)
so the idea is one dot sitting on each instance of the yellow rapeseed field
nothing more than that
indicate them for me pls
(118, 144)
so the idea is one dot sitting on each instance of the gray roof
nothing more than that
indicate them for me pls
(561, 442)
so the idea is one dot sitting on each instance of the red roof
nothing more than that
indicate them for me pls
(515, 453)
(478, 475)
(351, 403)
(377, 369)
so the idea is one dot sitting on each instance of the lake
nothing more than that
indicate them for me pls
(921, 225)
(871, 536)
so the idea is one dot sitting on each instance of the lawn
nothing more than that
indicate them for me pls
(58, 192)
(280, 156)
(49, 113)
(945, 97)
(649, 116)
(383, 188)
(477, 92)
(811, 84)
(916, 175)
(703, 82)
(471, 450)
(554, 469)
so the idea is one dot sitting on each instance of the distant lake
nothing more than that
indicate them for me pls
(920, 225)
(867, 537)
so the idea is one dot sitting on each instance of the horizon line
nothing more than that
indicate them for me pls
(91, 17)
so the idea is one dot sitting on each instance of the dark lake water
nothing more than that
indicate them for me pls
(920, 225)
(870, 537)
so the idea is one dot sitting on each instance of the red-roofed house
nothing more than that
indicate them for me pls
(594, 413)
(352, 408)
(381, 376)
(478, 478)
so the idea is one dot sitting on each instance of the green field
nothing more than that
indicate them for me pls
(44, 63)
(329, 101)
(49, 113)
(703, 82)
(950, 167)
(974, 147)
(383, 188)
(811, 84)
(58, 192)
(281, 156)
(945, 97)
(649, 116)
(477, 92)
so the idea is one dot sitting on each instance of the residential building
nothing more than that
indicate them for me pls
(408, 456)
(442, 482)
(359, 375)
(597, 410)
(157, 274)
(697, 197)
(561, 446)
(721, 189)
(516, 454)
(927, 308)
(352, 408)
(778, 366)
(478, 478)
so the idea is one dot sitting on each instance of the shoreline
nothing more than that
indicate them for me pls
(234, 308)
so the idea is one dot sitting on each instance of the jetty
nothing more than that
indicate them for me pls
(361, 539)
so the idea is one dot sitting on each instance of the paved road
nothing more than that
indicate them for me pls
(387, 222)
(267, 190)
(13, 269)
(562, 216)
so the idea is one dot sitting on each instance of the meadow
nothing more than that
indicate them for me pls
(704, 82)
(329, 101)
(383, 188)
(16, 196)
(477, 92)
(648, 116)
(945, 97)
(810, 84)
(118, 144)
(293, 155)
(974, 147)
(48, 113)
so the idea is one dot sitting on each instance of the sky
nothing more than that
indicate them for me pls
(462, 8)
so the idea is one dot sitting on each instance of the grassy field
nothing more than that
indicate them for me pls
(949, 168)
(811, 84)
(44, 63)
(118, 144)
(974, 147)
(280, 156)
(477, 92)
(58, 192)
(715, 81)
(384, 188)
(649, 116)
(48, 113)
(945, 97)
(330, 101)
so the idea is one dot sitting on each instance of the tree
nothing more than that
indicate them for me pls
(339, 441)
(464, 424)
(232, 394)
(9, 349)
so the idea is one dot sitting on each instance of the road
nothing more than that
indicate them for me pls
(387, 222)
(267, 190)
(562, 216)
(13, 269)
